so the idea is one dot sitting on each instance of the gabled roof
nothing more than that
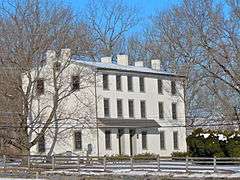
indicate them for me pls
(129, 68)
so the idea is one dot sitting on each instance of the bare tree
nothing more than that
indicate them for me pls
(28, 29)
(109, 21)
(201, 40)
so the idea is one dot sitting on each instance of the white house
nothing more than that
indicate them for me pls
(122, 109)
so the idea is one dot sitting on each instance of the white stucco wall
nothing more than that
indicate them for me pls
(84, 112)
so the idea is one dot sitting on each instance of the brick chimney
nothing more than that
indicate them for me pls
(156, 64)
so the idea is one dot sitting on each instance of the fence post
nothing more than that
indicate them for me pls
(29, 163)
(4, 161)
(187, 164)
(78, 163)
(53, 162)
(214, 164)
(131, 162)
(104, 163)
(158, 163)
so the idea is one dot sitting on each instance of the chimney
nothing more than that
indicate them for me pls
(122, 60)
(139, 63)
(156, 64)
(50, 56)
(65, 54)
(106, 60)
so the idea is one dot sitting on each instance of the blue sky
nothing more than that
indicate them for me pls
(146, 7)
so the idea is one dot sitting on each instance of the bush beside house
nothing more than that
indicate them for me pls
(214, 143)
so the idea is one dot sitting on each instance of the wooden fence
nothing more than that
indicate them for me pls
(92, 163)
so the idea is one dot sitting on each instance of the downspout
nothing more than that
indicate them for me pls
(96, 110)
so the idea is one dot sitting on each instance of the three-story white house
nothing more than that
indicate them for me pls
(125, 109)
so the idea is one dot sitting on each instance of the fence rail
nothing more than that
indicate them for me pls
(93, 163)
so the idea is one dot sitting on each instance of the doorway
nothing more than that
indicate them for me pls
(120, 144)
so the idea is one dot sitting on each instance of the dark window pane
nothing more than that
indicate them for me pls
(78, 140)
(105, 81)
(173, 87)
(131, 108)
(75, 83)
(41, 144)
(174, 110)
(40, 86)
(144, 140)
(57, 66)
(175, 140)
(160, 109)
(141, 84)
(119, 108)
(130, 85)
(108, 139)
(162, 140)
(106, 108)
(143, 109)
(118, 83)
(160, 91)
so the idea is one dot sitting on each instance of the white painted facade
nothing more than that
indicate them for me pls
(83, 114)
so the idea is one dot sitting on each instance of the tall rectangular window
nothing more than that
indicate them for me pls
(78, 140)
(41, 144)
(131, 108)
(106, 107)
(130, 83)
(118, 83)
(173, 88)
(174, 110)
(143, 109)
(160, 110)
(40, 86)
(175, 140)
(144, 140)
(108, 139)
(105, 82)
(141, 84)
(160, 86)
(119, 108)
(162, 140)
(75, 83)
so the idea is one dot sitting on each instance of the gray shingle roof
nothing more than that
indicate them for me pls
(117, 67)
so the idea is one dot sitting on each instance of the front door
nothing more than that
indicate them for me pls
(132, 133)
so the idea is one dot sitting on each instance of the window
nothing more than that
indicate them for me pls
(143, 109)
(130, 83)
(118, 83)
(106, 108)
(40, 86)
(57, 66)
(173, 88)
(41, 144)
(160, 91)
(105, 82)
(174, 110)
(160, 110)
(130, 108)
(119, 108)
(175, 140)
(141, 84)
(144, 140)
(75, 83)
(162, 140)
(78, 140)
(108, 139)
